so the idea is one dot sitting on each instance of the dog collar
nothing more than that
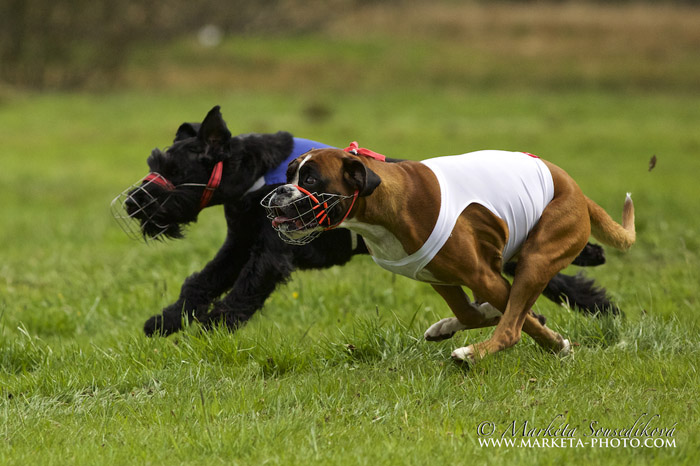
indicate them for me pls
(354, 149)
(214, 182)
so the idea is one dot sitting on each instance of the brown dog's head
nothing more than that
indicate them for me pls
(322, 188)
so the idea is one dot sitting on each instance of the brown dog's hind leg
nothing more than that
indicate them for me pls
(479, 314)
(516, 317)
(552, 245)
(496, 290)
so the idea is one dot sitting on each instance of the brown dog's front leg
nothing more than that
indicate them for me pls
(468, 315)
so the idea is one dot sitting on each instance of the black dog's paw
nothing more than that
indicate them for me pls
(153, 325)
(157, 325)
(231, 320)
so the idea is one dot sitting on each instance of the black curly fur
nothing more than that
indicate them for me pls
(578, 291)
(592, 255)
(248, 267)
(253, 260)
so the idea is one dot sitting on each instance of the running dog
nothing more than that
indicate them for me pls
(452, 222)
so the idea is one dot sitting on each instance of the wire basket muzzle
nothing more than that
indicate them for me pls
(302, 219)
(135, 208)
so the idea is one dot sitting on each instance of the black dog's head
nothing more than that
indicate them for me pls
(179, 184)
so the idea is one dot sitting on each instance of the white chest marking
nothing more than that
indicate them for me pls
(382, 244)
(380, 241)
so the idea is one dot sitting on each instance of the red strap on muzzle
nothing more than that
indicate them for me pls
(322, 214)
(211, 186)
(159, 180)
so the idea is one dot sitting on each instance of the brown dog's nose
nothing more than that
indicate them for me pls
(284, 189)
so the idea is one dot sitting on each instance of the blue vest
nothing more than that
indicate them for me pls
(279, 174)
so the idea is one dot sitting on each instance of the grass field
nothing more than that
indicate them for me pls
(334, 369)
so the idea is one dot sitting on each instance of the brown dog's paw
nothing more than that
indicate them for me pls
(464, 355)
(443, 329)
(565, 349)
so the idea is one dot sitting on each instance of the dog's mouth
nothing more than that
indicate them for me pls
(286, 223)
(300, 220)
(296, 221)
(295, 229)
(142, 221)
(154, 230)
(139, 211)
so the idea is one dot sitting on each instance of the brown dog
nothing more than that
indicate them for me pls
(453, 222)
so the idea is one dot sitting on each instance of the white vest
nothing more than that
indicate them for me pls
(514, 186)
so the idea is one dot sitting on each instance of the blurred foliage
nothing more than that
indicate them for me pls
(86, 43)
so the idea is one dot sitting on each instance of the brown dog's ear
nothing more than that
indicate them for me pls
(358, 175)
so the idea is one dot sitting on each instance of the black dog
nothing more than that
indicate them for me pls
(206, 166)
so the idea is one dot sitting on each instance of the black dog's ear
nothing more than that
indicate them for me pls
(186, 131)
(213, 130)
(358, 175)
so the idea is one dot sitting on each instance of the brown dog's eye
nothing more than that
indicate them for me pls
(309, 180)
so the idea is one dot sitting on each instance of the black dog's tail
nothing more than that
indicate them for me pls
(578, 291)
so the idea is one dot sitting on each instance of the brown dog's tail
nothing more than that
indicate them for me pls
(607, 230)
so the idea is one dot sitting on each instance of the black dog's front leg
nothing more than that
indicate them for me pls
(257, 280)
(271, 262)
(200, 289)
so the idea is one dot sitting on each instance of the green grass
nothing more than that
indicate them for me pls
(334, 369)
